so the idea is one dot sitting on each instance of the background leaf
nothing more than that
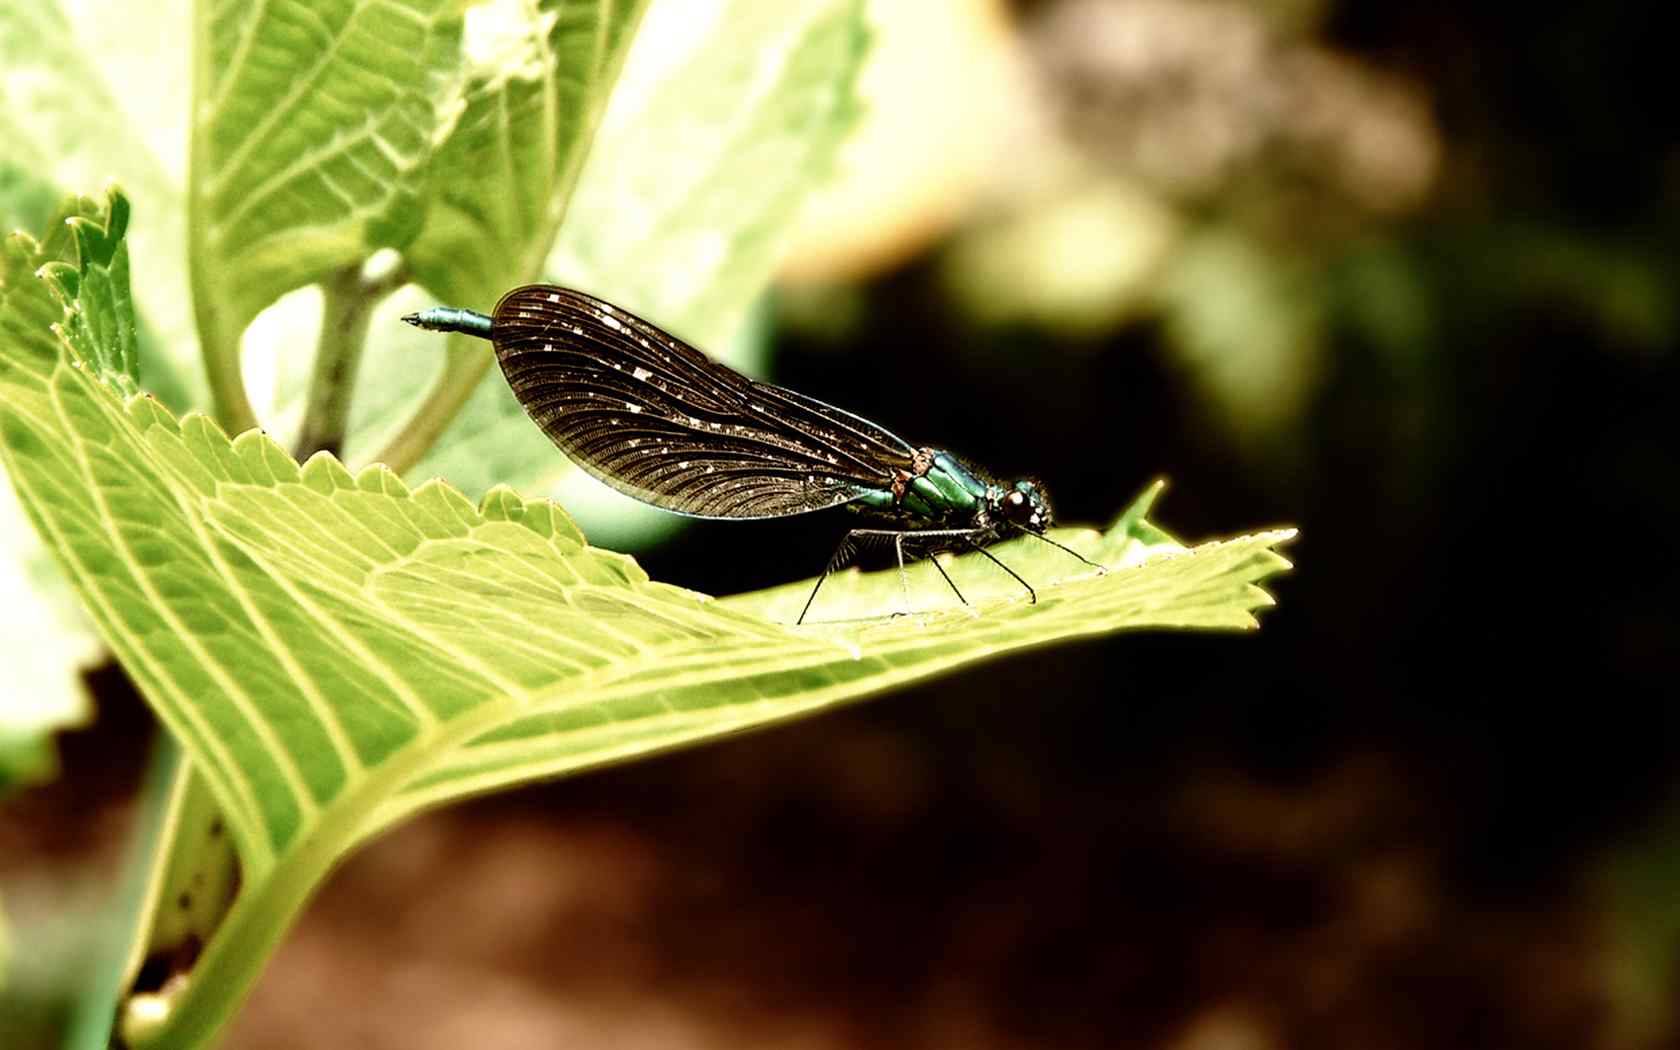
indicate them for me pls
(312, 125)
(706, 157)
(336, 652)
(536, 80)
(90, 96)
(535, 86)
(499, 184)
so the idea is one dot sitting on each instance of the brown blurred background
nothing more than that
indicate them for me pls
(1399, 274)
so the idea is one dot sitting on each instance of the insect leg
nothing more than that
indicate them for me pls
(1070, 550)
(835, 562)
(842, 553)
(1032, 595)
(966, 536)
(942, 572)
(903, 575)
(898, 550)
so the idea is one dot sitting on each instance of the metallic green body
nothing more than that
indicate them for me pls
(947, 494)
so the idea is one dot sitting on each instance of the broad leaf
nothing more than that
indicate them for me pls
(314, 122)
(498, 186)
(715, 140)
(312, 125)
(336, 652)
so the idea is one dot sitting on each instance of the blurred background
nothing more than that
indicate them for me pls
(1401, 275)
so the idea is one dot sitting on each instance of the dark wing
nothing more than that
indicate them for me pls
(657, 420)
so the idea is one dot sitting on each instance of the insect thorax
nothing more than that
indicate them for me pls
(938, 491)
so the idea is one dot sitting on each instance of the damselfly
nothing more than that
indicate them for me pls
(659, 421)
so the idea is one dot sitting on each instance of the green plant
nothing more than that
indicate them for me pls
(335, 650)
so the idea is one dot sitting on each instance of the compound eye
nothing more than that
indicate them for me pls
(1017, 509)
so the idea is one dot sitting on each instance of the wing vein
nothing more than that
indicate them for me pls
(656, 419)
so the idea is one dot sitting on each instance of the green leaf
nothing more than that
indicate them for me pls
(99, 312)
(26, 200)
(498, 185)
(44, 638)
(90, 94)
(709, 151)
(336, 652)
(1249, 324)
(537, 76)
(717, 134)
(314, 122)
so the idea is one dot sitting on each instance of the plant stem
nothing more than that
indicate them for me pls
(221, 368)
(347, 306)
(245, 940)
(218, 336)
(468, 360)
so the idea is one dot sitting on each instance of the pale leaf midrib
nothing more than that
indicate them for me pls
(232, 71)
